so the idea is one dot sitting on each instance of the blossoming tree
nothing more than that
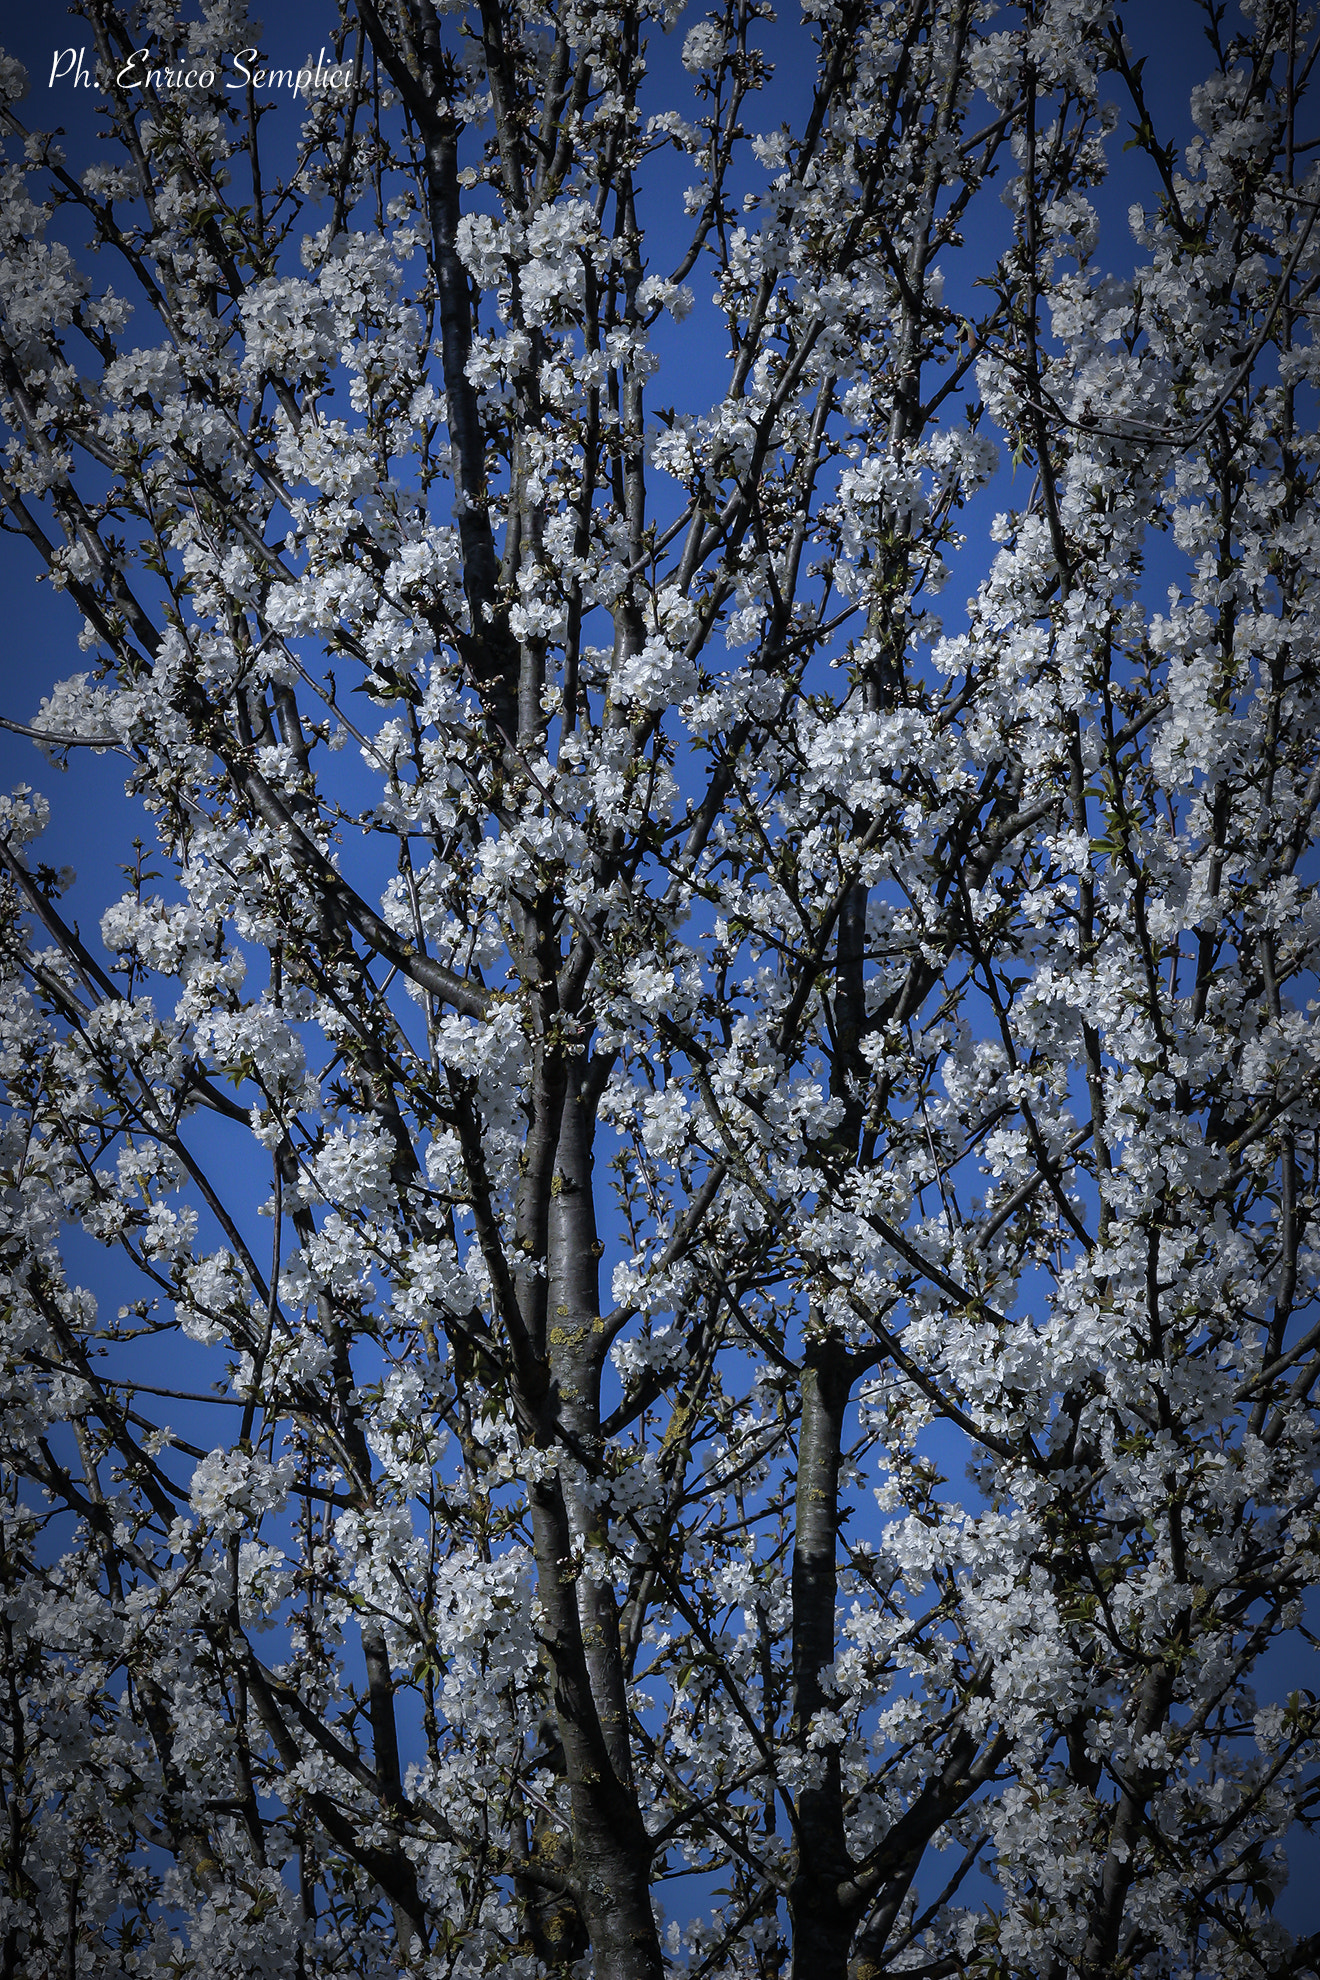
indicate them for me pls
(719, 1051)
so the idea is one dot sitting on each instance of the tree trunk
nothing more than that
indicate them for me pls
(822, 1925)
(611, 1855)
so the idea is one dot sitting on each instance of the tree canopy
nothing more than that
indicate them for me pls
(737, 1158)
